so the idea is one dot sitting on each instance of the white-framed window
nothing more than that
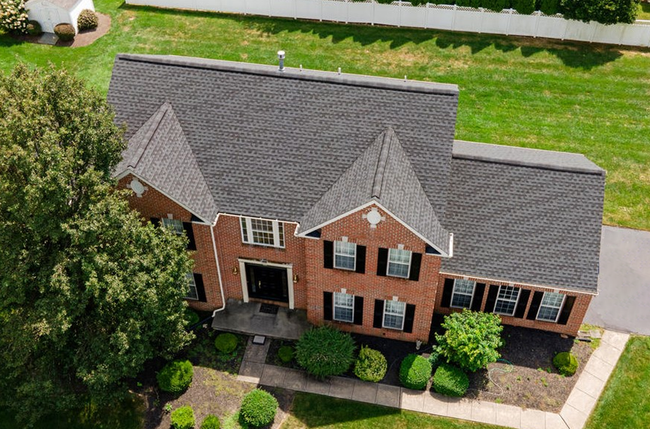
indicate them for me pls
(345, 255)
(399, 263)
(394, 314)
(549, 309)
(506, 300)
(174, 224)
(343, 307)
(463, 293)
(191, 291)
(262, 232)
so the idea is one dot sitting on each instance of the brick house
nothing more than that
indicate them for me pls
(348, 197)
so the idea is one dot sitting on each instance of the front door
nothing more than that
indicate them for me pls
(267, 282)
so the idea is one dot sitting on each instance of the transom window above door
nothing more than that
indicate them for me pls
(463, 293)
(345, 255)
(399, 263)
(262, 232)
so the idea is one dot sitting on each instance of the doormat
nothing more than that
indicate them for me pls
(269, 309)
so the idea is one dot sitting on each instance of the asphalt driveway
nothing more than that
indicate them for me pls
(623, 303)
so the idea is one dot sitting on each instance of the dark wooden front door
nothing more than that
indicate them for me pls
(267, 282)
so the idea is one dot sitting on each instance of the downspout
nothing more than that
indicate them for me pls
(216, 258)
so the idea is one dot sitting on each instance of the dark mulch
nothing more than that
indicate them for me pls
(202, 352)
(272, 355)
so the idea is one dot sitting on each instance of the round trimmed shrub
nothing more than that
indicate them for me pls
(87, 20)
(183, 418)
(435, 359)
(285, 353)
(450, 381)
(34, 28)
(191, 317)
(371, 365)
(415, 371)
(325, 351)
(258, 408)
(176, 376)
(566, 363)
(226, 343)
(211, 422)
(65, 32)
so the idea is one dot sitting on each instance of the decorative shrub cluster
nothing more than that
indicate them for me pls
(34, 28)
(176, 376)
(258, 408)
(285, 353)
(324, 351)
(191, 317)
(415, 371)
(450, 381)
(13, 16)
(435, 360)
(183, 418)
(566, 363)
(87, 20)
(211, 422)
(65, 32)
(371, 365)
(226, 343)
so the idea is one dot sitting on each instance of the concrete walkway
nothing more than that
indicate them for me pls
(574, 414)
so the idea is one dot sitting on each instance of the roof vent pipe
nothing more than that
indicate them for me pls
(281, 58)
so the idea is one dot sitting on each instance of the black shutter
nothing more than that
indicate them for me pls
(327, 305)
(379, 313)
(155, 221)
(361, 259)
(491, 299)
(416, 261)
(328, 251)
(524, 294)
(409, 315)
(187, 226)
(566, 310)
(534, 305)
(382, 261)
(358, 310)
(200, 289)
(446, 293)
(479, 291)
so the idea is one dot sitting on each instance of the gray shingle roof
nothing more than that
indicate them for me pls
(382, 173)
(526, 216)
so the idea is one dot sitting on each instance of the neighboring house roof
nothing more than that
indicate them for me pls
(525, 215)
(383, 173)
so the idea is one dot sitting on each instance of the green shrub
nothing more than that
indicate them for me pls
(13, 16)
(496, 5)
(176, 376)
(435, 360)
(371, 365)
(183, 418)
(549, 7)
(566, 363)
(258, 408)
(285, 353)
(34, 28)
(191, 317)
(87, 20)
(469, 3)
(415, 371)
(604, 11)
(65, 32)
(471, 339)
(325, 351)
(450, 381)
(211, 422)
(524, 7)
(226, 343)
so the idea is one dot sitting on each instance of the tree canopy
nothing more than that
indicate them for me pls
(88, 291)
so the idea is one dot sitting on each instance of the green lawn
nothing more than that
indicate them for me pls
(522, 92)
(644, 11)
(625, 403)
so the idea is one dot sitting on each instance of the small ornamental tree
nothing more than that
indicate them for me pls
(549, 7)
(471, 339)
(325, 351)
(13, 16)
(604, 11)
(524, 7)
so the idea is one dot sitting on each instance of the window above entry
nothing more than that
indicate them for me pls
(262, 232)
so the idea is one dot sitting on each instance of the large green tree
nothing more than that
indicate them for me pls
(88, 292)
(604, 11)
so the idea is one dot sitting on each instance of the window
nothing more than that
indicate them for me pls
(343, 307)
(191, 292)
(174, 224)
(549, 309)
(345, 255)
(399, 263)
(394, 314)
(506, 300)
(262, 232)
(463, 293)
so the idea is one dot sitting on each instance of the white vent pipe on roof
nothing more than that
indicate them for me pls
(281, 58)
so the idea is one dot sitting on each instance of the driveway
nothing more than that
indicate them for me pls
(623, 303)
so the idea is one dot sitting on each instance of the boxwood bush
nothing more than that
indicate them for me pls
(65, 32)
(450, 381)
(566, 363)
(325, 351)
(258, 408)
(226, 343)
(211, 422)
(183, 418)
(435, 360)
(370, 365)
(34, 28)
(176, 376)
(285, 353)
(87, 20)
(415, 371)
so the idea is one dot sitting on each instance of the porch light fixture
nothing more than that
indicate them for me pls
(296, 278)
(235, 270)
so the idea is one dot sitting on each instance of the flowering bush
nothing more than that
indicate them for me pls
(13, 16)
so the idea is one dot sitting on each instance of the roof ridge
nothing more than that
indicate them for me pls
(378, 180)
(151, 132)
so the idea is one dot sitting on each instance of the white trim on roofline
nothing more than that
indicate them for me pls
(379, 205)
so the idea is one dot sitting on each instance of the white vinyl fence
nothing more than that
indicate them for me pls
(439, 17)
